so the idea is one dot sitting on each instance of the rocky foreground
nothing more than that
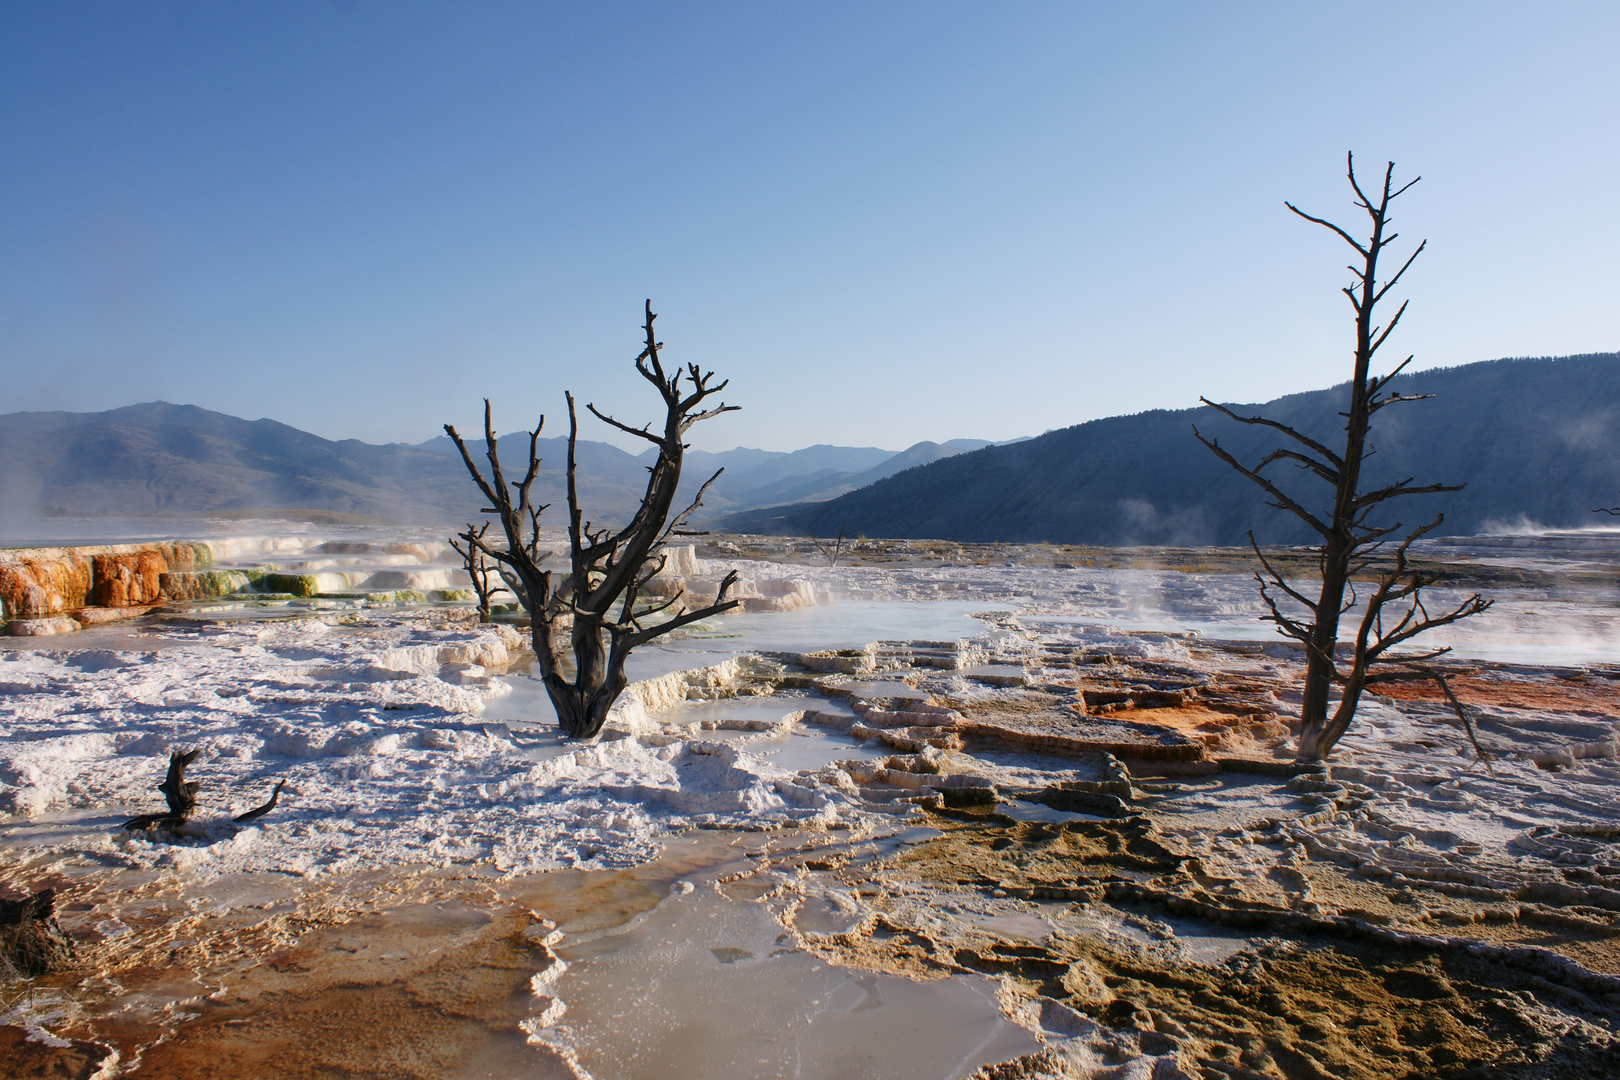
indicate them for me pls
(1107, 823)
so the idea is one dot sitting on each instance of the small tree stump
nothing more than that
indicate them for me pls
(31, 942)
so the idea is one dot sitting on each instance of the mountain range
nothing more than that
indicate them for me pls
(751, 478)
(181, 459)
(1531, 440)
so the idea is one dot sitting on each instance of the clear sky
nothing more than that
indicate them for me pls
(884, 222)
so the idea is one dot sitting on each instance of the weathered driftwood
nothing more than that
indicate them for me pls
(1349, 538)
(260, 811)
(31, 942)
(181, 795)
(1413, 673)
(1468, 725)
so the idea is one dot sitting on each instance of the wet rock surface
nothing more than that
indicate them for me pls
(1105, 822)
(1300, 998)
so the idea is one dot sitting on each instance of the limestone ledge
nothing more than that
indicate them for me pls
(43, 583)
(698, 583)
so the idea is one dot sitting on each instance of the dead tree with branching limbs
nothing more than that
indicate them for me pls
(1395, 611)
(599, 603)
(836, 551)
(478, 567)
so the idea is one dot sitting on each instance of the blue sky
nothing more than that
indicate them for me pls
(884, 222)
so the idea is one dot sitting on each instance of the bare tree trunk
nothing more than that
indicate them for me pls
(608, 571)
(477, 568)
(1348, 538)
(1321, 653)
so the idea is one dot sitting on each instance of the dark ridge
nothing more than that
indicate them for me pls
(1534, 439)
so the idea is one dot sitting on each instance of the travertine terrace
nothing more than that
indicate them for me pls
(1064, 791)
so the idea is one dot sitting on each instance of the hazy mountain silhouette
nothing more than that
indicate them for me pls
(752, 478)
(163, 458)
(159, 457)
(1532, 439)
(1535, 439)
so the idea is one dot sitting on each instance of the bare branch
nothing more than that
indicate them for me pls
(1376, 384)
(1390, 284)
(1337, 462)
(1292, 627)
(680, 519)
(716, 411)
(1277, 579)
(1321, 470)
(1403, 187)
(1282, 501)
(1355, 185)
(640, 432)
(1374, 347)
(720, 604)
(1352, 241)
(472, 467)
(1404, 487)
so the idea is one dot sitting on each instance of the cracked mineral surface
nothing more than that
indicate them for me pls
(990, 811)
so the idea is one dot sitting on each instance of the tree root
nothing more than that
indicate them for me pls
(181, 795)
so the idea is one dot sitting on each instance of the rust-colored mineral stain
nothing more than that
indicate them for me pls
(431, 982)
(1583, 694)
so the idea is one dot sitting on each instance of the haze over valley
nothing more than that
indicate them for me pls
(1535, 442)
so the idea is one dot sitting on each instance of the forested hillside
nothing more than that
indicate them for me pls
(1535, 439)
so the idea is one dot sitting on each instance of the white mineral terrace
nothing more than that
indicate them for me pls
(412, 736)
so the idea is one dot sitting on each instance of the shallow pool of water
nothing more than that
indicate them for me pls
(131, 636)
(846, 624)
(712, 987)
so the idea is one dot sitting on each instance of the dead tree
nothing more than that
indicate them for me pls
(835, 552)
(1350, 539)
(599, 603)
(478, 568)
